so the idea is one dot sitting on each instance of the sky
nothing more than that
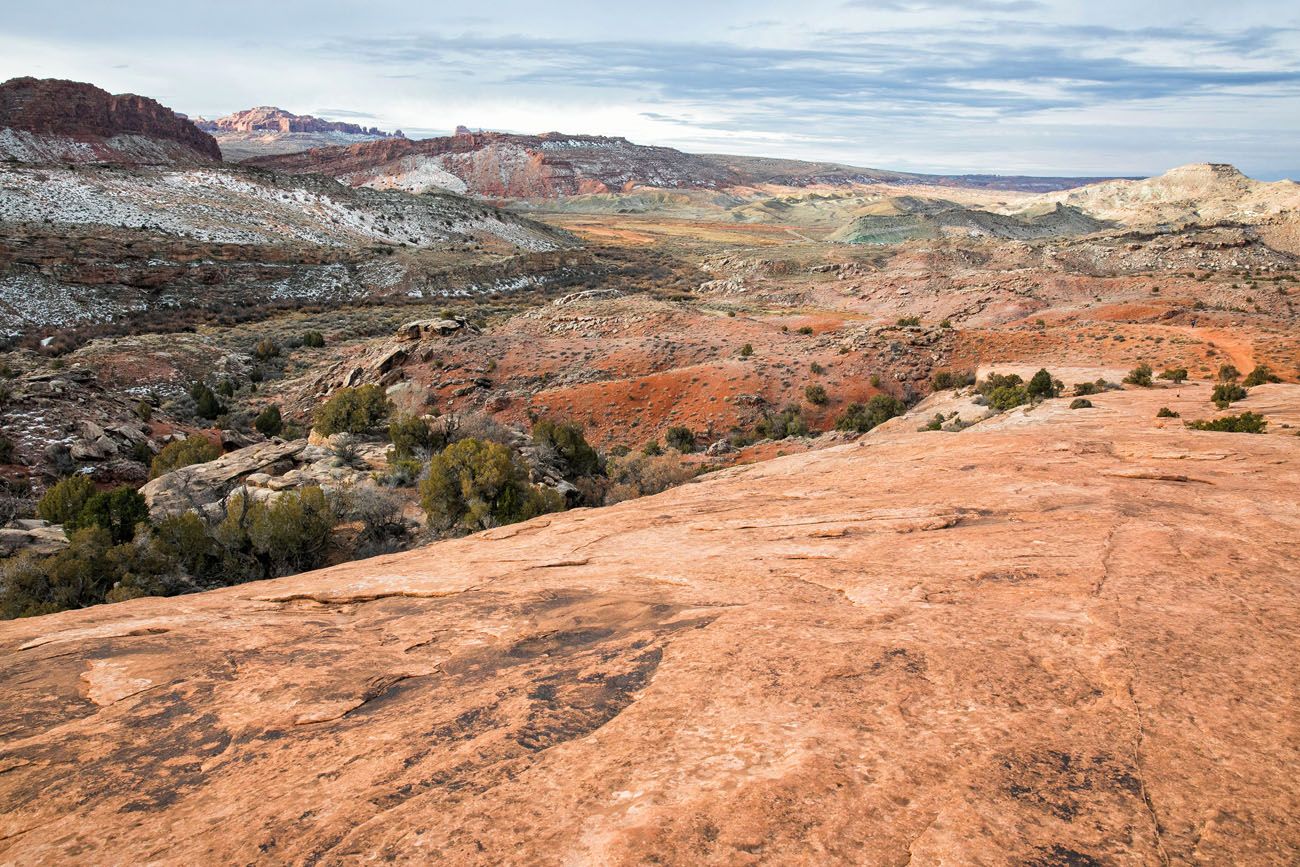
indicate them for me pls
(987, 86)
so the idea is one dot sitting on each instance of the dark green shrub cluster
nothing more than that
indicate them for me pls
(1247, 422)
(268, 422)
(908, 321)
(182, 453)
(313, 340)
(1140, 376)
(206, 402)
(1166, 412)
(1083, 389)
(746, 350)
(290, 533)
(1260, 375)
(788, 422)
(946, 379)
(357, 410)
(1041, 386)
(816, 394)
(117, 511)
(6, 449)
(474, 485)
(1226, 393)
(412, 438)
(1228, 373)
(64, 500)
(1176, 375)
(807, 330)
(577, 458)
(680, 438)
(861, 418)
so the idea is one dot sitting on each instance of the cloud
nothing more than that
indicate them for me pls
(343, 112)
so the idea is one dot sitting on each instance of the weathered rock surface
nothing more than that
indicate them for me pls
(51, 117)
(1031, 642)
(266, 118)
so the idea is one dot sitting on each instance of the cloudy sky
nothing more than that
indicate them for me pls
(1023, 86)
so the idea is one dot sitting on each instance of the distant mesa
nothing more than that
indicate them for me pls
(43, 120)
(268, 118)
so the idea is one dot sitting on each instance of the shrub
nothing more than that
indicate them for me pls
(1166, 412)
(1008, 397)
(863, 417)
(288, 534)
(116, 511)
(566, 442)
(777, 426)
(268, 421)
(6, 449)
(1228, 373)
(1175, 375)
(186, 539)
(633, 475)
(1226, 393)
(1247, 422)
(313, 340)
(183, 453)
(935, 423)
(816, 394)
(379, 511)
(353, 410)
(1041, 386)
(475, 485)
(946, 379)
(816, 368)
(206, 403)
(65, 499)
(266, 349)
(144, 410)
(746, 350)
(652, 449)
(412, 437)
(807, 329)
(909, 321)
(1140, 376)
(680, 438)
(400, 473)
(1081, 403)
(1083, 389)
(1260, 375)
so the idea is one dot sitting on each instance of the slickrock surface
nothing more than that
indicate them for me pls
(1060, 637)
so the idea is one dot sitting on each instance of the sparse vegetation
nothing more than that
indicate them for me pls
(746, 350)
(1166, 412)
(816, 394)
(1228, 373)
(359, 410)
(1259, 376)
(861, 418)
(680, 438)
(908, 321)
(1227, 392)
(567, 443)
(1176, 375)
(1247, 422)
(268, 422)
(182, 453)
(474, 485)
(1139, 376)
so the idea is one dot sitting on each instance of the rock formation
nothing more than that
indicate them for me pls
(1059, 637)
(268, 118)
(52, 117)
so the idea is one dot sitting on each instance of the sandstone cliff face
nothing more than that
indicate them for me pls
(84, 114)
(268, 118)
(508, 166)
(1060, 637)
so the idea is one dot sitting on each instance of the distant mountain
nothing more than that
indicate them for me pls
(267, 131)
(267, 118)
(51, 120)
(557, 165)
(905, 217)
(503, 165)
